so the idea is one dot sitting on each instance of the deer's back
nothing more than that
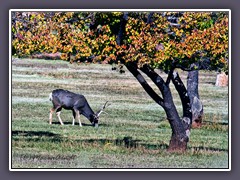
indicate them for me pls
(68, 99)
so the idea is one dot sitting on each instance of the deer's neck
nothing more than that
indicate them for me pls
(88, 113)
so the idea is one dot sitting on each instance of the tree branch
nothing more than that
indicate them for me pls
(149, 19)
(122, 28)
(202, 64)
(182, 91)
(158, 81)
(133, 69)
(170, 74)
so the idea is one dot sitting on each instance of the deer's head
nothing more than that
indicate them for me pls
(97, 114)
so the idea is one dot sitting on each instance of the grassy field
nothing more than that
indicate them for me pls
(133, 134)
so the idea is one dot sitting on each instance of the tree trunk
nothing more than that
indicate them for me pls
(179, 137)
(196, 104)
(177, 145)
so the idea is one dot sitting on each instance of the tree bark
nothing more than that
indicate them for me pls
(196, 104)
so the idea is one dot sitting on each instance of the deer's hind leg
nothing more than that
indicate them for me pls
(58, 112)
(52, 110)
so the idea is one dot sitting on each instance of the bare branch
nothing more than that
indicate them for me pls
(175, 24)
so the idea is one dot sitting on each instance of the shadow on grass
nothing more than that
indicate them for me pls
(127, 142)
(213, 123)
(36, 136)
(33, 133)
(83, 124)
(210, 82)
(70, 123)
(212, 149)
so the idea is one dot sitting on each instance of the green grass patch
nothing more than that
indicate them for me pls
(133, 134)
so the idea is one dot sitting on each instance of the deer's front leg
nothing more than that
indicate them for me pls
(78, 116)
(74, 117)
(59, 118)
(80, 124)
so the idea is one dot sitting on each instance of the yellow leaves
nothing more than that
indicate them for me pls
(107, 49)
(54, 50)
(117, 13)
(67, 48)
(113, 57)
(69, 14)
(64, 56)
(179, 32)
(189, 53)
(27, 51)
(207, 47)
(223, 60)
(28, 34)
(105, 28)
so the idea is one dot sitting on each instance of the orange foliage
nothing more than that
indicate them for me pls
(198, 34)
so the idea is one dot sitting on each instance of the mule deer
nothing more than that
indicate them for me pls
(76, 102)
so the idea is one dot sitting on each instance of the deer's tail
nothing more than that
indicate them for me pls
(50, 97)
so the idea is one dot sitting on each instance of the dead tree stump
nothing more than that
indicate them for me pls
(222, 80)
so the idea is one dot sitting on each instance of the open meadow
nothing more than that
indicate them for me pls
(133, 133)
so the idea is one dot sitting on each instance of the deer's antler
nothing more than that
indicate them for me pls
(101, 110)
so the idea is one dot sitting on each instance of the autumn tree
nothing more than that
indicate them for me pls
(142, 42)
